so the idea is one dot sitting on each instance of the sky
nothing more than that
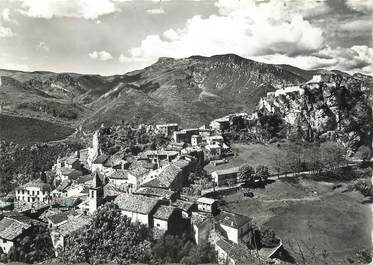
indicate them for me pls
(117, 36)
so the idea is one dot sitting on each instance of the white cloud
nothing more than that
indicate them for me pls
(156, 11)
(358, 58)
(88, 9)
(6, 32)
(5, 15)
(242, 27)
(43, 46)
(101, 56)
(364, 6)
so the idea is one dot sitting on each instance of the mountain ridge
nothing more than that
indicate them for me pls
(191, 91)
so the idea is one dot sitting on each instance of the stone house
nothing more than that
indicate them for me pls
(229, 253)
(10, 230)
(167, 129)
(171, 177)
(167, 219)
(201, 226)
(119, 177)
(34, 191)
(213, 151)
(138, 208)
(162, 194)
(60, 233)
(196, 140)
(236, 226)
(207, 205)
(225, 176)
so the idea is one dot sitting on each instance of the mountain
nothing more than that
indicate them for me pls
(191, 91)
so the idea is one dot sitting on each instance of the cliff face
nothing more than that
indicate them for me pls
(331, 106)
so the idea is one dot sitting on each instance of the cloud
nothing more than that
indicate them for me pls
(43, 46)
(156, 11)
(242, 27)
(358, 58)
(88, 9)
(100, 56)
(5, 32)
(5, 15)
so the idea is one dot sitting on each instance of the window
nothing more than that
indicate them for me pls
(158, 225)
(37, 193)
(33, 193)
(92, 194)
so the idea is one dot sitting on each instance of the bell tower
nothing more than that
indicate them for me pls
(96, 193)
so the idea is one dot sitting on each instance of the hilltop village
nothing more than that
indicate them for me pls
(152, 187)
(147, 188)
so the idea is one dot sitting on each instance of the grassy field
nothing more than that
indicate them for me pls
(312, 215)
(27, 131)
(253, 154)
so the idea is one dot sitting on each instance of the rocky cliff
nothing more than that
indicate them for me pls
(331, 106)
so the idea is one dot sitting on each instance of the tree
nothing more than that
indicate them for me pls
(246, 173)
(262, 173)
(364, 153)
(110, 237)
(36, 247)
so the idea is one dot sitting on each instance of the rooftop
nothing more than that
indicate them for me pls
(36, 184)
(164, 212)
(158, 192)
(119, 174)
(239, 253)
(11, 228)
(74, 223)
(183, 205)
(136, 203)
(232, 170)
(101, 159)
(165, 178)
(206, 200)
(58, 218)
(66, 171)
(233, 219)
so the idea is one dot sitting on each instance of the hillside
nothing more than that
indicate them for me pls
(191, 91)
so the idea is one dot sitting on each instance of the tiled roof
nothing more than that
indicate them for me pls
(139, 171)
(70, 171)
(58, 218)
(199, 218)
(155, 192)
(239, 253)
(164, 212)
(183, 205)
(111, 190)
(11, 228)
(206, 200)
(101, 159)
(119, 174)
(227, 171)
(136, 203)
(74, 223)
(168, 175)
(72, 160)
(181, 163)
(114, 160)
(37, 184)
(64, 185)
(233, 220)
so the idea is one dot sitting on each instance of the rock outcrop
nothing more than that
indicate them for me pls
(331, 106)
